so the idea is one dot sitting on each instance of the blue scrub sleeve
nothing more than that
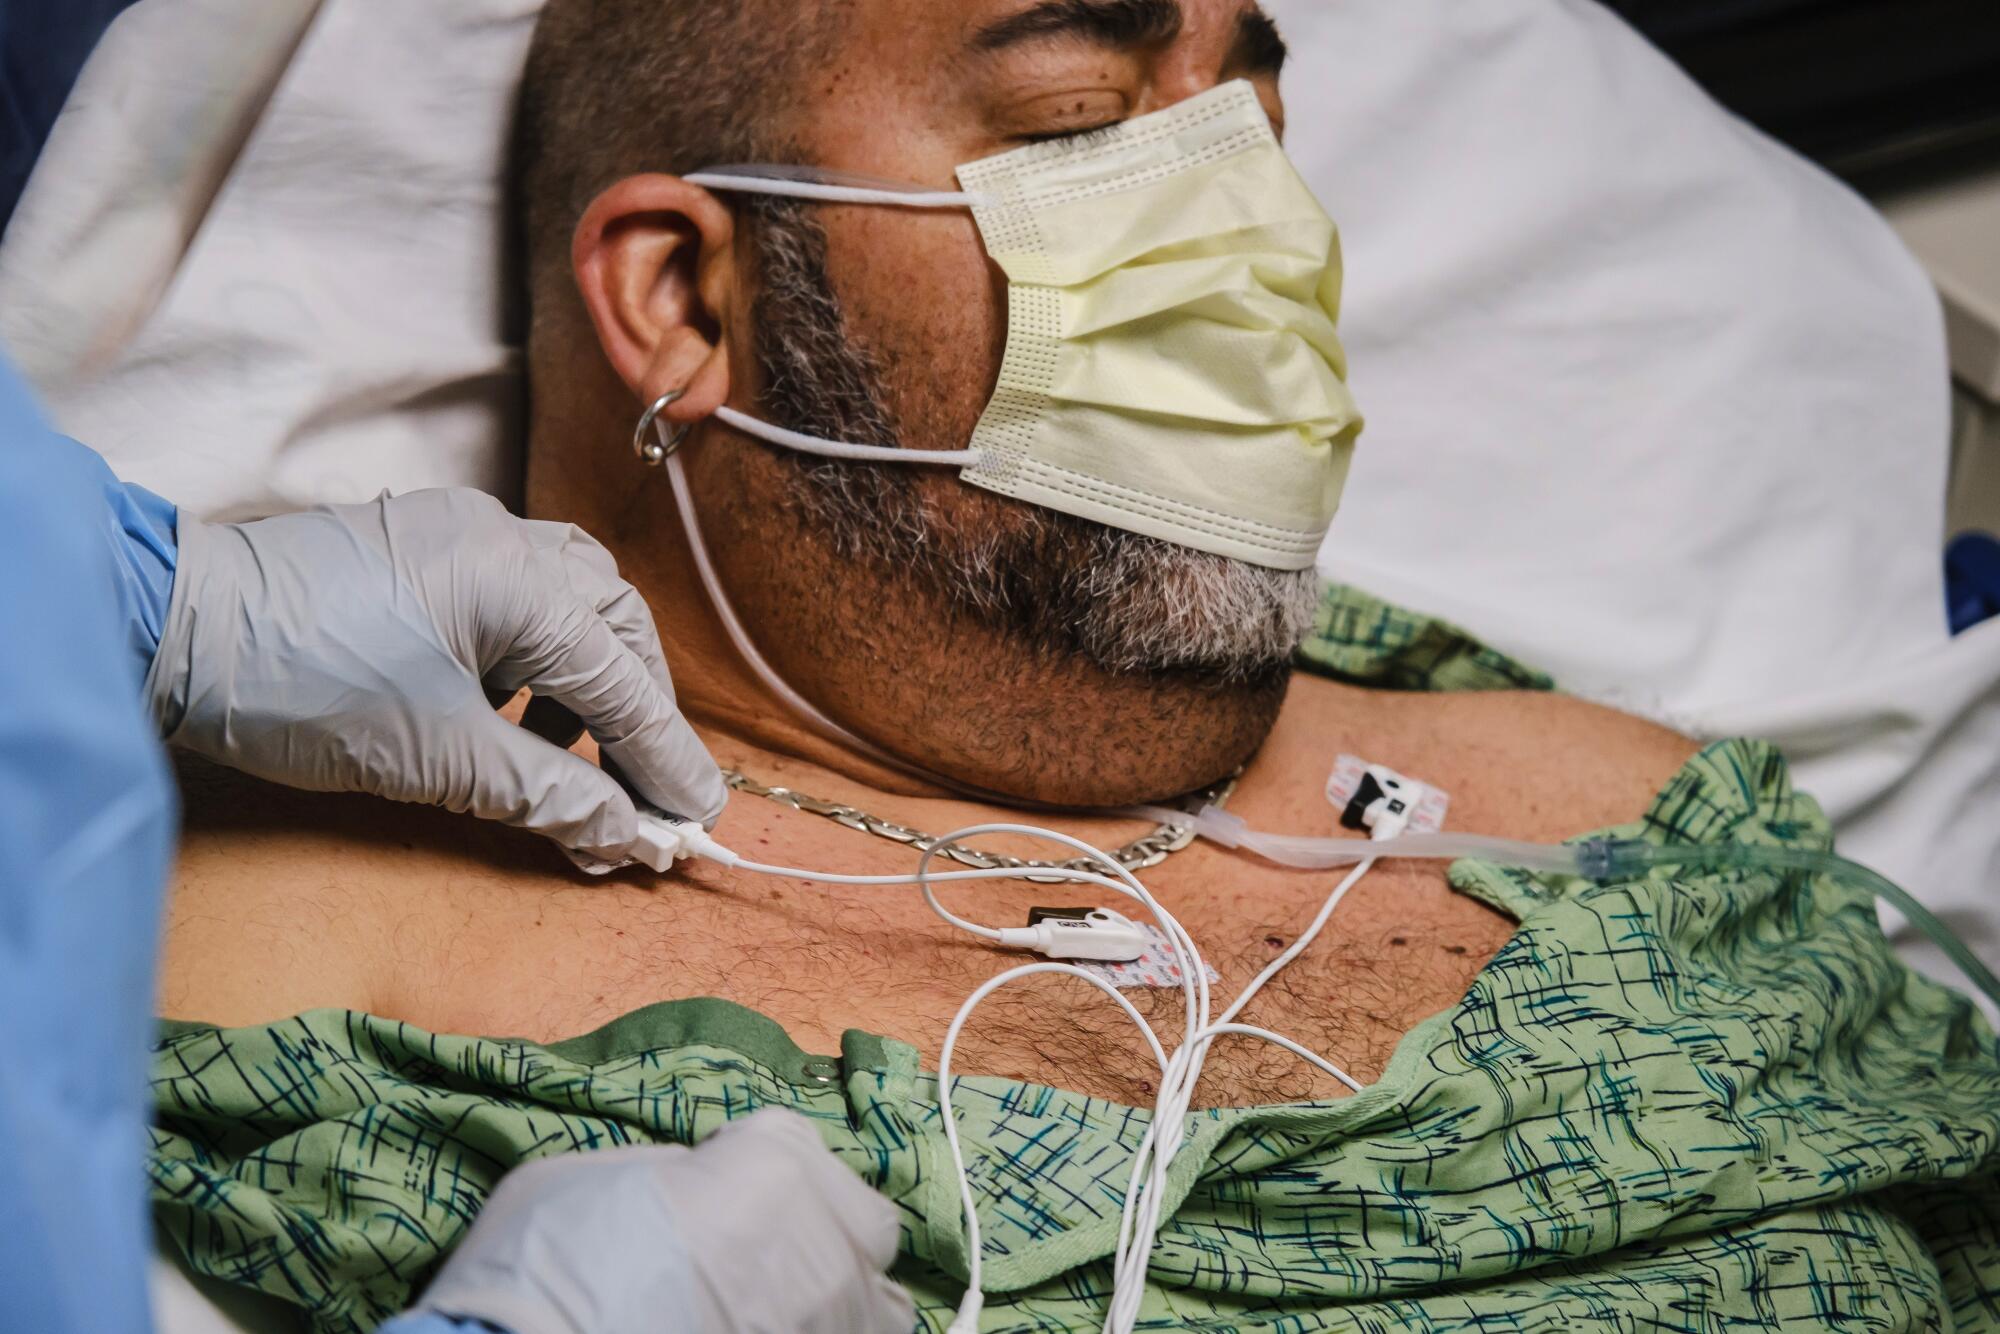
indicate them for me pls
(142, 533)
(86, 827)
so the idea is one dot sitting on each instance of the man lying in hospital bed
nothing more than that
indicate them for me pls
(1709, 1090)
(1654, 405)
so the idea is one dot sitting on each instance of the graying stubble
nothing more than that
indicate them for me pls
(1127, 602)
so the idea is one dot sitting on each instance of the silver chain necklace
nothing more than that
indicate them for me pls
(1146, 850)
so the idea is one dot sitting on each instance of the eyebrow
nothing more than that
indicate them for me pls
(1125, 23)
(1121, 23)
(1258, 47)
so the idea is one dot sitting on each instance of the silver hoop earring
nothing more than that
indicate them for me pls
(663, 442)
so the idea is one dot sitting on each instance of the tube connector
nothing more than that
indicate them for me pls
(1612, 859)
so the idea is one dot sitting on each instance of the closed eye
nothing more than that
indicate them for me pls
(1089, 134)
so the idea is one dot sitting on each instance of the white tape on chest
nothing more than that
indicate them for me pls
(1154, 968)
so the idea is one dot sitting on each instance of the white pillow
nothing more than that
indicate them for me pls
(1651, 402)
(337, 323)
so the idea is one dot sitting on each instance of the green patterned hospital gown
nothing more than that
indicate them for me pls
(1694, 1102)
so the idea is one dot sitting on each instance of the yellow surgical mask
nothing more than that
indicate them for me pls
(1171, 364)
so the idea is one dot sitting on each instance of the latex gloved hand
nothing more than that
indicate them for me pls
(758, 1228)
(357, 648)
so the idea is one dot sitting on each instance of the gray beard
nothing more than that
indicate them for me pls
(1126, 602)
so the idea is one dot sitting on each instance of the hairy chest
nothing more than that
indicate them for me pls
(821, 959)
(469, 929)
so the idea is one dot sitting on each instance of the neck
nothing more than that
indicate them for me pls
(630, 507)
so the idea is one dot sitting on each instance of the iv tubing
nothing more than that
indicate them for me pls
(1628, 858)
(1592, 859)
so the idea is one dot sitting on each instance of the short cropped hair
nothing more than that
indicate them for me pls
(614, 88)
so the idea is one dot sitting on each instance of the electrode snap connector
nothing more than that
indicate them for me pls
(662, 842)
(1078, 933)
(1383, 802)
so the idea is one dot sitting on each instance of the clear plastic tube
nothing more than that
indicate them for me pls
(1611, 859)
(1318, 854)
(1592, 859)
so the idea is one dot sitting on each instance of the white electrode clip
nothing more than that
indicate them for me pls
(662, 842)
(1376, 800)
(1078, 933)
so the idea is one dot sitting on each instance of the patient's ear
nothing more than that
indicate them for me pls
(653, 261)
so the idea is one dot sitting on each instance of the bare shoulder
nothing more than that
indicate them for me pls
(1520, 763)
(284, 901)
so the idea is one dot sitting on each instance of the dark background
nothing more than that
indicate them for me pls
(1884, 92)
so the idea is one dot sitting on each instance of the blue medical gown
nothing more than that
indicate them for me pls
(87, 816)
(86, 828)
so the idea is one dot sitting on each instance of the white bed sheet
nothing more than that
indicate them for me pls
(334, 322)
(1652, 403)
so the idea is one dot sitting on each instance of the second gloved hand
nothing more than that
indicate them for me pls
(353, 647)
(758, 1229)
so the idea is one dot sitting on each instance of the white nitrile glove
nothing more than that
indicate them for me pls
(352, 648)
(757, 1230)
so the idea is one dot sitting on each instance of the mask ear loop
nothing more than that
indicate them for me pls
(833, 187)
(840, 449)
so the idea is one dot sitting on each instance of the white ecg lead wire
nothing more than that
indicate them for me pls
(1180, 1072)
